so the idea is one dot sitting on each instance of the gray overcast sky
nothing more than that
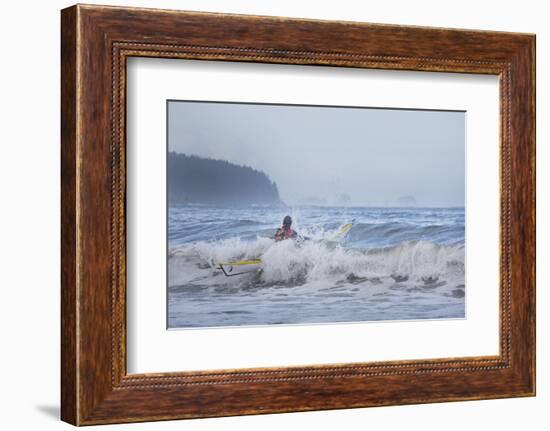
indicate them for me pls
(373, 155)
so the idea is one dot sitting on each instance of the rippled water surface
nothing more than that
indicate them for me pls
(393, 264)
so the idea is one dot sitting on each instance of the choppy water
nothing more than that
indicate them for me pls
(394, 264)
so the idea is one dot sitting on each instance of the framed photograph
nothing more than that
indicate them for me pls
(256, 239)
(264, 214)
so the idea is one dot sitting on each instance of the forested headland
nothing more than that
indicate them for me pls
(198, 180)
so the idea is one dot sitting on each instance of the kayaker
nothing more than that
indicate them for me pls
(286, 231)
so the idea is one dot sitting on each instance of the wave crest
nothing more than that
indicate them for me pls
(288, 261)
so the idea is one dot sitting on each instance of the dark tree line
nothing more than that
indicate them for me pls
(193, 179)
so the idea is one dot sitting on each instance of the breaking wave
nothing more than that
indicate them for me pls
(393, 264)
(304, 261)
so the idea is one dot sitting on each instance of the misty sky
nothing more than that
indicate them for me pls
(375, 156)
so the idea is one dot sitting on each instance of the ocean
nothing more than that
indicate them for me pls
(392, 264)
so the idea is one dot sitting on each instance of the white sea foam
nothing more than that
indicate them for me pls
(316, 260)
(392, 264)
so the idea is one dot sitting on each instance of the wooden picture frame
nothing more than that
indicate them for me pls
(95, 43)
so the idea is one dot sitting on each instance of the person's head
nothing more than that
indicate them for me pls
(287, 222)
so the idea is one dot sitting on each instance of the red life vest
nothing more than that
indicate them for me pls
(285, 233)
(289, 233)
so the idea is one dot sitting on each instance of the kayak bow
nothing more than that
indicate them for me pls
(228, 267)
(254, 265)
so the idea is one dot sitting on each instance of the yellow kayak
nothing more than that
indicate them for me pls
(239, 267)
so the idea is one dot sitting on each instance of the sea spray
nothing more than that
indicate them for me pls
(394, 264)
(311, 260)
